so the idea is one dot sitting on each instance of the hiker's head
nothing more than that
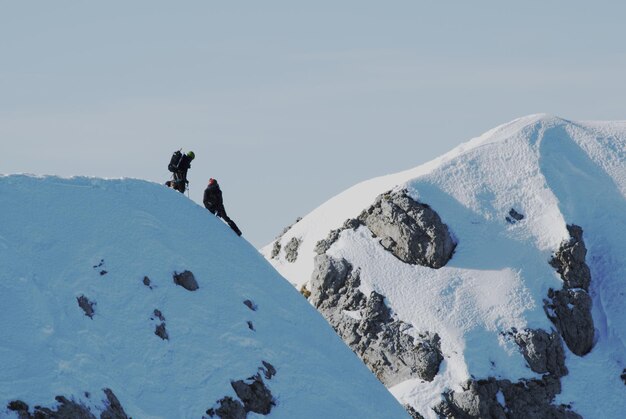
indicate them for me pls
(212, 181)
(191, 155)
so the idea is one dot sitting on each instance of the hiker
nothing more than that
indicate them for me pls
(214, 203)
(179, 164)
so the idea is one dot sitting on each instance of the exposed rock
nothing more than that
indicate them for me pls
(161, 332)
(86, 305)
(253, 393)
(275, 249)
(277, 246)
(371, 332)
(570, 311)
(412, 231)
(323, 245)
(256, 397)
(114, 408)
(186, 280)
(268, 370)
(20, 408)
(159, 315)
(623, 376)
(569, 260)
(525, 399)
(412, 412)
(146, 282)
(291, 249)
(103, 272)
(99, 264)
(250, 325)
(250, 305)
(542, 350)
(229, 409)
(67, 409)
(514, 216)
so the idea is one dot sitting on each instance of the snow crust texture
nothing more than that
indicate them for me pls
(122, 298)
(528, 310)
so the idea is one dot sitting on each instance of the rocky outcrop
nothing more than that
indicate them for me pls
(412, 231)
(368, 327)
(291, 249)
(70, 409)
(570, 311)
(493, 398)
(187, 280)
(542, 350)
(412, 412)
(623, 376)
(513, 216)
(323, 245)
(569, 260)
(86, 305)
(254, 396)
(277, 245)
(570, 308)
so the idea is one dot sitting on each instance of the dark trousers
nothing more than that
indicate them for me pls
(220, 211)
(179, 183)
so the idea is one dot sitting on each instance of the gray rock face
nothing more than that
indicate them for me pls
(623, 376)
(291, 249)
(569, 260)
(412, 412)
(413, 232)
(526, 399)
(570, 308)
(186, 280)
(542, 350)
(371, 332)
(570, 311)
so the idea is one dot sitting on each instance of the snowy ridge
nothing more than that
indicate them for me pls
(553, 171)
(118, 243)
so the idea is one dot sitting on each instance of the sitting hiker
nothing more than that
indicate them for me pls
(214, 203)
(179, 165)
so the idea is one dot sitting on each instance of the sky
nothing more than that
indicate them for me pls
(289, 103)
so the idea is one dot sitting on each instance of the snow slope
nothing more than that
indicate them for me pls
(63, 238)
(555, 172)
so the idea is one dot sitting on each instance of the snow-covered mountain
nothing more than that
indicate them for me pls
(490, 282)
(124, 298)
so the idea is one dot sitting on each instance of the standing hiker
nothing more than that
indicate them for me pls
(179, 164)
(214, 203)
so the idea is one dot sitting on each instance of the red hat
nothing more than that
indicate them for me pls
(211, 181)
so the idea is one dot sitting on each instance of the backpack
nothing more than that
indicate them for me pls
(175, 161)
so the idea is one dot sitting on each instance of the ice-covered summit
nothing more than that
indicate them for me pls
(488, 282)
(122, 298)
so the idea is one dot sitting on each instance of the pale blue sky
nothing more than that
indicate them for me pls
(288, 103)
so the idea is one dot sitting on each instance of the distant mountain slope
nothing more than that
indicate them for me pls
(515, 298)
(92, 316)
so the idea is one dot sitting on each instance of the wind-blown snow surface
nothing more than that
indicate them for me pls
(53, 235)
(555, 172)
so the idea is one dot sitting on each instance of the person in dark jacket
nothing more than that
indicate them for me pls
(214, 203)
(180, 173)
